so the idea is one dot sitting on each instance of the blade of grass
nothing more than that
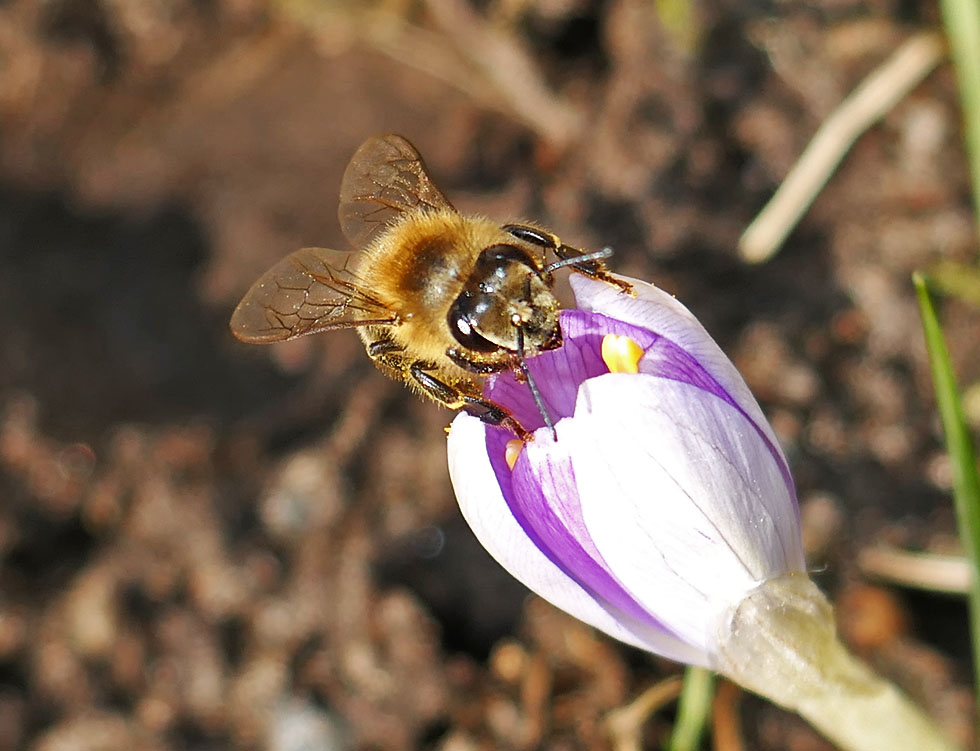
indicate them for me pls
(961, 19)
(693, 710)
(625, 725)
(959, 444)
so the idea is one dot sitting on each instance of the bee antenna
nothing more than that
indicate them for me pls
(595, 255)
(535, 392)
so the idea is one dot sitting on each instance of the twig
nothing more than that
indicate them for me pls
(510, 69)
(625, 725)
(876, 95)
(928, 571)
(726, 728)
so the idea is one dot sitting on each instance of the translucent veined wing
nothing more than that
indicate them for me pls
(305, 293)
(385, 178)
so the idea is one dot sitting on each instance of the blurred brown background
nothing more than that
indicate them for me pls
(205, 545)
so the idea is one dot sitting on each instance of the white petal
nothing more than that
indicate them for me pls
(485, 510)
(696, 512)
(660, 312)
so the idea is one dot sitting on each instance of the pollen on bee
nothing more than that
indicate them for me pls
(521, 312)
(513, 451)
(621, 354)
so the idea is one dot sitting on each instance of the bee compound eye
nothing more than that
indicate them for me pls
(463, 320)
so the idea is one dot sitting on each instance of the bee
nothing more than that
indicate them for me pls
(441, 300)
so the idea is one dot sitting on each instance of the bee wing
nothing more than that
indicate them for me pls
(385, 178)
(305, 293)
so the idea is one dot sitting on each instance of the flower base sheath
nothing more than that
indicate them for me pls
(666, 500)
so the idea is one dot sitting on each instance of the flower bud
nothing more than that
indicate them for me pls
(666, 498)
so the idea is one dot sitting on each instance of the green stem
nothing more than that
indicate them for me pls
(694, 710)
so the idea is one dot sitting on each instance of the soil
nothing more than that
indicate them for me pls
(207, 545)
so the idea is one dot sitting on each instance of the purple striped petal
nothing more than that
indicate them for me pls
(655, 310)
(681, 496)
(488, 514)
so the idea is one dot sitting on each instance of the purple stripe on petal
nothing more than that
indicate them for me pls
(543, 497)
(667, 360)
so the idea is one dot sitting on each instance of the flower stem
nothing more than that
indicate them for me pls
(694, 709)
(781, 642)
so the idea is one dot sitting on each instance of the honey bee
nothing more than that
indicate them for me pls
(441, 300)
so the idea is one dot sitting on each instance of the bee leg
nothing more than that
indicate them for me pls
(391, 357)
(475, 366)
(593, 268)
(454, 398)
(380, 349)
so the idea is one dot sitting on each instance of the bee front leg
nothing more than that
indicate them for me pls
(592, 267)
(391, 357)
(476, 366)
(455, 398)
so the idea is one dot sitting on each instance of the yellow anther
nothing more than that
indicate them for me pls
(621, 354)
(513, 451)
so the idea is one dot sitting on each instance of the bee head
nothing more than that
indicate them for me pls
(507, 304)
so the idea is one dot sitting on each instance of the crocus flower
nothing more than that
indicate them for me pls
(666, 497)
(664, 514)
